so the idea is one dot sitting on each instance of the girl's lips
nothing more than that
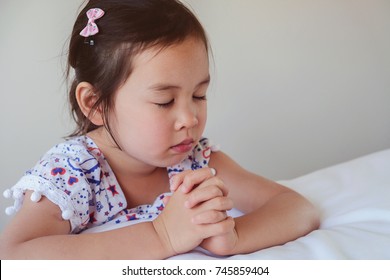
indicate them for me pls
(184, 147)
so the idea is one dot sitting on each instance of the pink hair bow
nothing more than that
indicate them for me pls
(91, 28)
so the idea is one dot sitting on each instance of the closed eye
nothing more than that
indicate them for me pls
(165, 105)
(200, 98)
(170, 103)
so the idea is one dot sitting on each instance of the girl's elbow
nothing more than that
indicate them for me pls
(6, 250)
(311, 218)
(10, 249)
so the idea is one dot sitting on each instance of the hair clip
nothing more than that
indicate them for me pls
(91, 28)
(89, 41)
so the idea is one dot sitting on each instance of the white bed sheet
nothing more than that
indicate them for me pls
(354, 201)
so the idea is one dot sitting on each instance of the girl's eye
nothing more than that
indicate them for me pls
(200, 98)
(170, 103)
(165, 105)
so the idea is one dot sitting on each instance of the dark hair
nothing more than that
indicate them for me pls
(127, 28)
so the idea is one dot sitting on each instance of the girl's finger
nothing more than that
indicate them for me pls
(186, 180)
(208, 190)
(209, 217)
(166, 200)
(221, 203)
(219, 228)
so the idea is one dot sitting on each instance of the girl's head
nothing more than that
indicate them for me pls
(128, 28)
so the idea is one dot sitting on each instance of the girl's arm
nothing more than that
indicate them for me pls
(274, 214)
(38, 232)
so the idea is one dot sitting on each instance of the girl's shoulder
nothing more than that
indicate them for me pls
(72, 174)
(80, 146)
(67, 163)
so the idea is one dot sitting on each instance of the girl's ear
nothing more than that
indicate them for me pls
(86, 98)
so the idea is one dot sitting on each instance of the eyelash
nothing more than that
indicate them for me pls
(166, 105)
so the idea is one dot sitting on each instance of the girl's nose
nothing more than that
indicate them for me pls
(187, 117)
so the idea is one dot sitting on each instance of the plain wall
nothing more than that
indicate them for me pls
(297, 85)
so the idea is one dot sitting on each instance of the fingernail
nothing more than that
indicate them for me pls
(213, 171)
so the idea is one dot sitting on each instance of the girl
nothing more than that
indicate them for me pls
(138, 96)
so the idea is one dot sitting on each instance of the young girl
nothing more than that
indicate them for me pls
(141, 72)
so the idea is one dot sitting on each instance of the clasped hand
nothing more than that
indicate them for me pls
(196, 214)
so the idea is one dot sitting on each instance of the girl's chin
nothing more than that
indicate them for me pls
(176, 159)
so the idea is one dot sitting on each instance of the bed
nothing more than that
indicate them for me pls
(354, 200)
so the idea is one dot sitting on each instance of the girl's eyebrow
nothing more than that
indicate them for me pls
(165, 87)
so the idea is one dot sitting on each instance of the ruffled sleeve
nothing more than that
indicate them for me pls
(64, 176)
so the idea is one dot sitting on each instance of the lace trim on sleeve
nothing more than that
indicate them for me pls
(41, 186)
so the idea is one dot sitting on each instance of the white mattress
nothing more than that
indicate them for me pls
(354, 200)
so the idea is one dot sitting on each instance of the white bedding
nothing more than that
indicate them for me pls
(354, 200)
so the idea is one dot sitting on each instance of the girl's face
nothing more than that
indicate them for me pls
(160, 111)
